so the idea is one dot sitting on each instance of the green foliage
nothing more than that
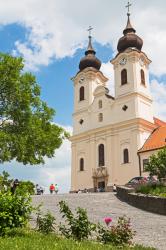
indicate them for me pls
(23, 187)
(23, 240)
(27, 133)
(15, 211)
(156, 189)
(157, 164)
(120, 234)
(4, 181)
(45, 223)
(78, 227)
(26, 187)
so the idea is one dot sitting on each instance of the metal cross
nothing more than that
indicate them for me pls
(128, 6)
(89, 29)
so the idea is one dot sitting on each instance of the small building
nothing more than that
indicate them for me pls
(155, 142)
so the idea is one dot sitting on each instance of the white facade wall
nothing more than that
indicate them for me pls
(118, 130)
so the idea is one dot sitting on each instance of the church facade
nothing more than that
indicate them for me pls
(109, 131)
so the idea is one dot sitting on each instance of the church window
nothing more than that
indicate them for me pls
(82, 93)
(123, 76)
(142, 77)
(100, 117)
(125, 107)
(125, 155)
(100, 104)
(101, 155)
(81, 164)
(81, 121)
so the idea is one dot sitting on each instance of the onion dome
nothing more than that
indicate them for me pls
(90, 60)
(130, 39)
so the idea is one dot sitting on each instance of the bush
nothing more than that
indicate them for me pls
(157, 164)
(22, 187)
(157, 189)
(15, 211)
(78, 227)
(4, 181)
(120, 234)
(26, 187)
(45, 223)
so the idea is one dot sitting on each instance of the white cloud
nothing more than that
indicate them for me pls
(159, 96)
(55, 170)
(56, 28)
(107, 69)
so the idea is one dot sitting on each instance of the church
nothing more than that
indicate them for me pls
(113, 136)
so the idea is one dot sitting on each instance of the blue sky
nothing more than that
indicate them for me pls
(54, 79)
(52, 37)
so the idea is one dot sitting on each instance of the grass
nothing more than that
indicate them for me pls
(31, 240)
(152, 189)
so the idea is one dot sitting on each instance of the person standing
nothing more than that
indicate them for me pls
(41, 190)
(14, 185)
(56, 188)
(114, 188)
(37, 189)
(52, 188)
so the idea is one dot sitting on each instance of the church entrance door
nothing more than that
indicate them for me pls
(101, 186)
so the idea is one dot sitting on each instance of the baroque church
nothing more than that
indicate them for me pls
(113, 136)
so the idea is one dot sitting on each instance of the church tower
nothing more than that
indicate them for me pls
(86, 81)
(132, 76)
(108, 131)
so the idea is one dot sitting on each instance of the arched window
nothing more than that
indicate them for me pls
(100, 104)
(101, 155)
(82, 93)
(123, 76)
(81, 164)
(142, 77)
(100, 117)
(125, 155)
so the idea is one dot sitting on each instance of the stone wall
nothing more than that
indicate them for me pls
(152, 204)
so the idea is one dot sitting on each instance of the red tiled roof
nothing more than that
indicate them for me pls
(159, 122)
(157, 139)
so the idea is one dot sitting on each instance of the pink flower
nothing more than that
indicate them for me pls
(108, 220)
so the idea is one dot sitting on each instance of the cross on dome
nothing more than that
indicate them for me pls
(130, 39)
(90, 47)
(89, 30)
(90, 60)
(128, 6)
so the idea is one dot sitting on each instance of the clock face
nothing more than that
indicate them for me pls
(123, 61)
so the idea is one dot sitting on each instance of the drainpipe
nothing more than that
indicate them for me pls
(139, 159)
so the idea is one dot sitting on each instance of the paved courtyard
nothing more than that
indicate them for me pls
(150, 228)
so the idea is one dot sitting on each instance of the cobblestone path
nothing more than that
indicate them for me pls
(150, 228)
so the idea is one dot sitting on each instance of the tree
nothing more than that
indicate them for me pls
(4, 181)
(26, 187)
(27, 132)
(157, 164)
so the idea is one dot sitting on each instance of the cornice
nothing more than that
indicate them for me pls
(145, 97)
(90, 73)
(112, 129)
(132, 55)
